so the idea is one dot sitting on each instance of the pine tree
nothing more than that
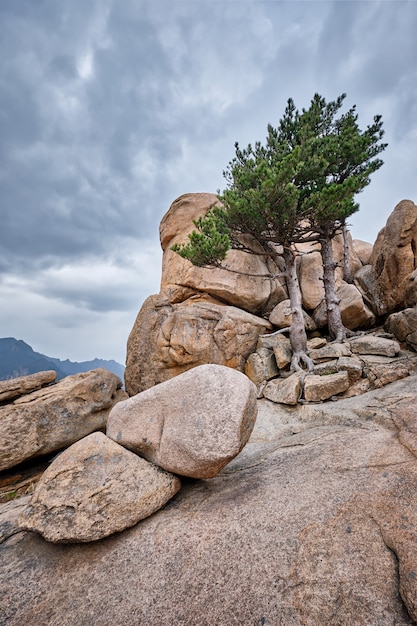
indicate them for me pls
(298, 187)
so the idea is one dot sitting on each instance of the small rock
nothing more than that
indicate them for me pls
(191, 425)
(369, 344)
(330, 351)
(318, 388)
(261, 366)
(94, 489)
(283, 353)
(352, 366)
(284, 390)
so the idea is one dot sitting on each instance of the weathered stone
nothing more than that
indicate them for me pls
(324, 497)
(249, 285)
(363, 250)
(316, 342)
(94, 489)
(317, 388)
(394, 256)
(381, 375)
(261, 365)
(311, 279)
(370, 344)
(330, 351)
(324, 368)
(353, 310)
(352, 365)
(169, 339)
(283, 352)
(284, 390)
(281, 316)
(410, 290)
(179, 337)
(403, 325)
(55, 417)
(357, 388)
(192, 425)
(11, 389)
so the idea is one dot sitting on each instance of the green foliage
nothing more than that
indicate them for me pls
(299, 186)
(209, 243)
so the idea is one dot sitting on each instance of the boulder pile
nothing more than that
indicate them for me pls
(190, 426)
(223, 315)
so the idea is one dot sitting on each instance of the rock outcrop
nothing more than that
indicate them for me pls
(191, 425)
(313, 523)
(55, 416)
(94, 489)
(217, 315)
(393, 259)
(177, 336)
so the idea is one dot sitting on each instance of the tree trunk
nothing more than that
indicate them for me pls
(347, 269)
(337, 330)
(298, 335)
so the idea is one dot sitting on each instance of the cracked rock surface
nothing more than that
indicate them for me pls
(314, 523)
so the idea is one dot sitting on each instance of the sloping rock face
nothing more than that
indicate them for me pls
(94, 489)
(56, 416)
(192, 425)
(313, 524)
(169, 338)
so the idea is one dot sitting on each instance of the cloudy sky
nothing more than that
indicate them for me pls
(111, 109)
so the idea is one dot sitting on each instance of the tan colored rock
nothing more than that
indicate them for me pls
(313, 523)
(357, 388)
(370, 344)
(55, 417)
(410, 290)
(284, 390)
(261, 365)
(169, 339)
(354, 312)
(352, 365)
(310, 270)
(403, 325)
(330, 351)
(191, 425)
(94, 489)
(11, 389)
(281, 316)
(251, 284)
(394, 256)
(316, 342)
(283, 352)
(363, 250)
(317, 388)
(311, 280)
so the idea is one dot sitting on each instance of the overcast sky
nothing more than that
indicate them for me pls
(111, 109)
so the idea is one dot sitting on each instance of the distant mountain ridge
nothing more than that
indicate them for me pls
(17, 358)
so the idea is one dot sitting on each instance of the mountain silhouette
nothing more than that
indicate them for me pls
(17, 358)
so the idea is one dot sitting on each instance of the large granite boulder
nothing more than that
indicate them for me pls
(94, 489)
(56, 416)
(394, 257)
(192, 425)
(314, 523)
(249, 285)
(169, 338)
